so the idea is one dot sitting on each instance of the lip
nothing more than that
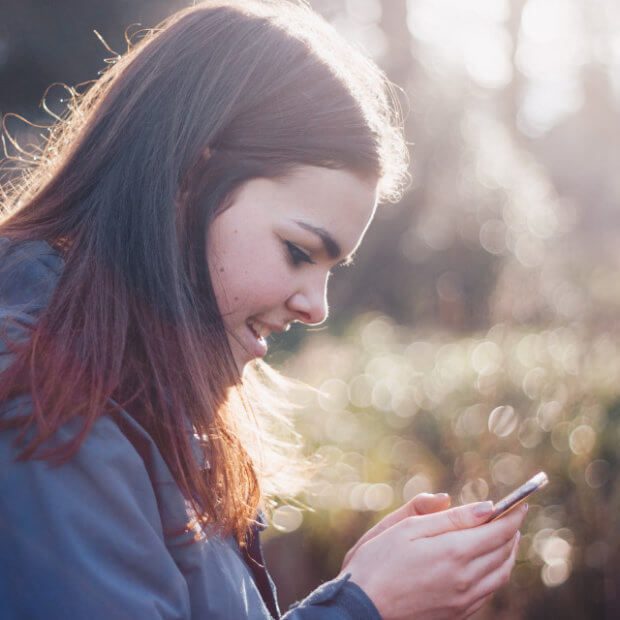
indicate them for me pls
(257, 347)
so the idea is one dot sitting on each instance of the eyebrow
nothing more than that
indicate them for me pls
(332, 247)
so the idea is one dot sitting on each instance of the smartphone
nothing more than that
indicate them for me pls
(513, 499)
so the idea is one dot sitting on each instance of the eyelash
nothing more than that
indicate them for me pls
(296, 255)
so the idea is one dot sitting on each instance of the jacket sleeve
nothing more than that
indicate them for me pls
(84, 539)
(339, 599)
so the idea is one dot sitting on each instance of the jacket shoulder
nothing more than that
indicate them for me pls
(88, 531)
(29, 271)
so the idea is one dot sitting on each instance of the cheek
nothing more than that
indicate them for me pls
(249, 281)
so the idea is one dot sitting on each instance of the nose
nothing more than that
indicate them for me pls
(309, 304)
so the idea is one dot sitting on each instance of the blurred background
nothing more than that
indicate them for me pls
(476, 340)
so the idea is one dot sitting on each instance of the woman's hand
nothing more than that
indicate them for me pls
(436, 566)
(421, 504)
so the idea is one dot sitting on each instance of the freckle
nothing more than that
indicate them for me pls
(236, 299)
(221, 269)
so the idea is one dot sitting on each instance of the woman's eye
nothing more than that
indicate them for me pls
(297, 255)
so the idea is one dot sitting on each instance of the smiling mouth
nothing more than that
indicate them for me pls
(256, 334)
(260, 330)
(260, 344)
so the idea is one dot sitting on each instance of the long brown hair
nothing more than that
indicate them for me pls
(125, 188)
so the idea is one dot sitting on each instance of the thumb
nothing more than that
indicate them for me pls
(459, 518)
(425, 503)
(421, 504)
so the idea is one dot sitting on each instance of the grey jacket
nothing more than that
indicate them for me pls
(89, 539)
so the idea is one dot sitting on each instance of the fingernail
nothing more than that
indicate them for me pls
(483, 509)
(443, 495)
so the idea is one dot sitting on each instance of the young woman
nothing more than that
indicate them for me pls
(193, 201)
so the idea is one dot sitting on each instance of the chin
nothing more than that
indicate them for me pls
(242, 360)
(241, 365)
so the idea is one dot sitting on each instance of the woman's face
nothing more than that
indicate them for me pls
(270, 253)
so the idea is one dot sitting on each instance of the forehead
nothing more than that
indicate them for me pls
(340, 202)
(316, 186)
(337, 200)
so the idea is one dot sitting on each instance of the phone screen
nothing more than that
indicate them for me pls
(513, 499)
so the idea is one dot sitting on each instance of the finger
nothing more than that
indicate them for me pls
(474, 571)
(487, 537)
(422, 503)
(426, 503)
(474, 607)
(498, 578)
(481, 566)
(459, 518)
